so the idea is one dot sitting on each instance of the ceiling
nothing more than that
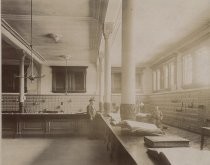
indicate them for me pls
(76, 23)
(158, 25)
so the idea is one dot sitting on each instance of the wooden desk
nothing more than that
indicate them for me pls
(205, 131)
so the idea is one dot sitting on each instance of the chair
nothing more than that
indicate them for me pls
(205, 131)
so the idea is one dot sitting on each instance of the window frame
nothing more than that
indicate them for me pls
(200, 61)
(70, 71)
(159, 77)
(117, 71)
(185, 65)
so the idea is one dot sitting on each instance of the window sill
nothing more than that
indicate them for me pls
(69, 92)
(194, 86)
(162, 90)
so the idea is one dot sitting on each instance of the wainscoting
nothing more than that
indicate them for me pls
(189, 110)
(69, 104)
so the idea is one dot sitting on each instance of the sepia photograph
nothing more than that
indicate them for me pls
(105, 82)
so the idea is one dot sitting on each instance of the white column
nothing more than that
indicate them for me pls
(127, 108)
(107, 88)
(22, 92)
(101, 82)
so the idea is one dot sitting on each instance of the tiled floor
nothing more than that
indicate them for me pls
(59, 151)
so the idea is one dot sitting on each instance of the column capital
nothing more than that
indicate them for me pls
(107, 29)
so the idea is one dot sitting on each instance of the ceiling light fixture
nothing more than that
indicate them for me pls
(54, 36)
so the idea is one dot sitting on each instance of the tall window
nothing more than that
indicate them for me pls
(158, 79)
(202, 66)
(187, 69)
(154, 81)
(166, 76)
(69, 79)
(138, 82)
(172, 75)
(116, 82)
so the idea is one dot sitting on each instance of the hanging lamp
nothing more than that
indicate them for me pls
(31, 73)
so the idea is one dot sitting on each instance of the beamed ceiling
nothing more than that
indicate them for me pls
(75, 22)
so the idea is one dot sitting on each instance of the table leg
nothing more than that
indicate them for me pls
(202, 139)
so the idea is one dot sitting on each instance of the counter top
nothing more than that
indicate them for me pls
(42, 115)
(133, 144)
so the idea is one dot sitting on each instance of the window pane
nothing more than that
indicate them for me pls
(138, 81)
(165, 70)
(116, 82)
(78, 81)
(172, 75)
(187, 69)
(158, 79)
(60, 81)
(10, 83)
(161, 78)
(154, 81)
(202, 66)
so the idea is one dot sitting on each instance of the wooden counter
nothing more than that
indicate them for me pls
(126, 149)
(43, 124)
(123, 149)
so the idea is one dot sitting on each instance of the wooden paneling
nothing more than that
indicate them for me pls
(44, 124)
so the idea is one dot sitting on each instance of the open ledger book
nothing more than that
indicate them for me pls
(180, 156)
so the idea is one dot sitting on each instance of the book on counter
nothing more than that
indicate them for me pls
(165, 141)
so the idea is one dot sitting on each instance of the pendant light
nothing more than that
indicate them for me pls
(31, 73)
